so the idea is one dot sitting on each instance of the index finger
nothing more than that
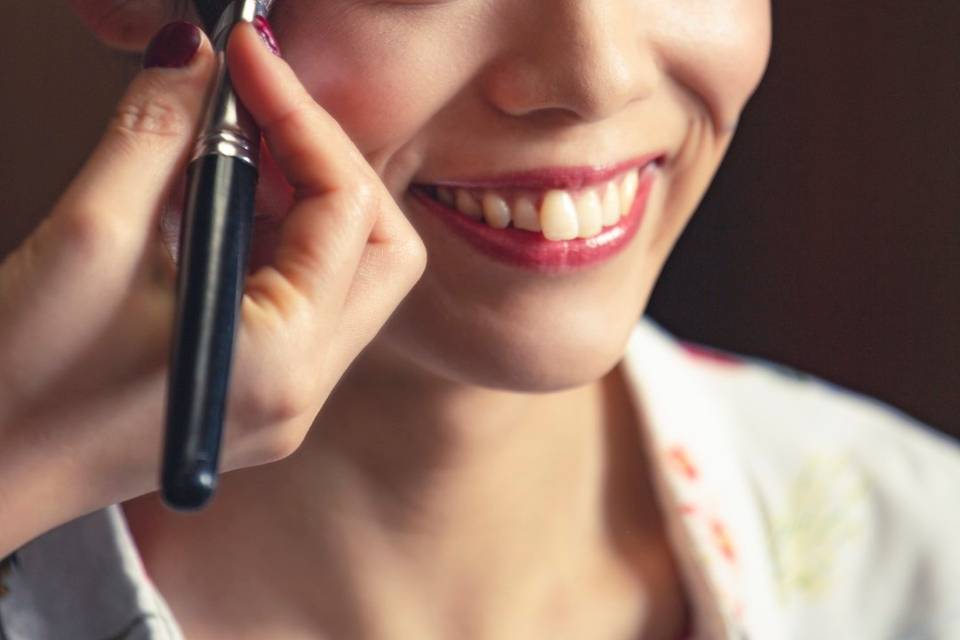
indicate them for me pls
(292, 122)
(338, 197)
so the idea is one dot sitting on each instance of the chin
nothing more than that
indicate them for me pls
(547, 355)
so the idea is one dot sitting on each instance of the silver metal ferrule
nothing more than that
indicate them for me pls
(228, 129)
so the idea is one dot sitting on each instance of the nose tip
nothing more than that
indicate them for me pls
(581, 63)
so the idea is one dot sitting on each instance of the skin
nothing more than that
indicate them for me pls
(488, 419)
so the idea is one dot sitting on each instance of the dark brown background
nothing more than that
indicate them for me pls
(829, 241)
(830, 238)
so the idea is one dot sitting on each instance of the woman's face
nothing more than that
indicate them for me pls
(472, 90)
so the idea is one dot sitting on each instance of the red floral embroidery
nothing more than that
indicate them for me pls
(681, 460)
(722, 539)
(706, 353)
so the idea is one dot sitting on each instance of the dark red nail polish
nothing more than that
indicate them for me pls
(266, 33)
(173, 46)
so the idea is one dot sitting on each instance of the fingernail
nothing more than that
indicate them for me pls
(266, 34)
(173, 46)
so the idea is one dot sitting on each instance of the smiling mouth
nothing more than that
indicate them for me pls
(591, 201)
(558, 241)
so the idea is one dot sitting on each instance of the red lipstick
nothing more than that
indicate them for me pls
(530, 249)
(569, 178)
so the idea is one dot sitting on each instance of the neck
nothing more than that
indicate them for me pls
(416, 494)
(437, 462)
(454, 483)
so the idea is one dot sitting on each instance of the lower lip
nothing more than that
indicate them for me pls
(531, 250)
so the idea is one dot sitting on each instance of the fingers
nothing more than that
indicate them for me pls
(345, 258)
(338, 196)
(307, 142)
(117, 194)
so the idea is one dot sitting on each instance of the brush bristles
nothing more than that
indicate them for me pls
(209, 11)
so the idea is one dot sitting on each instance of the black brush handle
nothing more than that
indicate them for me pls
(213, 251)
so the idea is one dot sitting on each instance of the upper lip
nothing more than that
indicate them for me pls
(557, 177)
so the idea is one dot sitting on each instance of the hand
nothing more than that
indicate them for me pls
(87, 301)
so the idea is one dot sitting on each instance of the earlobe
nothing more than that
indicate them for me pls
(128, 25)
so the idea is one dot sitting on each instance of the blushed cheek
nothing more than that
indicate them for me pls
(380, 100)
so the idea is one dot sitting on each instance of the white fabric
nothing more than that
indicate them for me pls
(798, 511)
(84, 581)
(841, 512)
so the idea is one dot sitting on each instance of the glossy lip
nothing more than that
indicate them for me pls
(569, 178)
(530, 249)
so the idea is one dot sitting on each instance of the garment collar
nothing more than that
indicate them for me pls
(716, 524)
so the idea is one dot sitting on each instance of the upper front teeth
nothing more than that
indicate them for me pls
(496, 211)
(611, 204)
(558, 216)
(525, 214)
(589, 214)
(562, 215)
(468, 204)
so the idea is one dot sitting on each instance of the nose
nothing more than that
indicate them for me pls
(578, 59)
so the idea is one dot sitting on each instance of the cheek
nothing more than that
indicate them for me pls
(718, 51)
(381, 87)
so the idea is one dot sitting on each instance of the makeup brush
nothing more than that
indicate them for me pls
(212, 258)
(210, 12)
